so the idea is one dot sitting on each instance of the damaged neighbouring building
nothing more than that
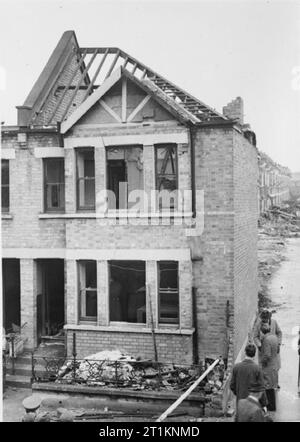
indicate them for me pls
(98, 132)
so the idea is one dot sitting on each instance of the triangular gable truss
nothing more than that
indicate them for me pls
(151, 92)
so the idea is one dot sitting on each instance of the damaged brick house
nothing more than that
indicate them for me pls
(97, 119)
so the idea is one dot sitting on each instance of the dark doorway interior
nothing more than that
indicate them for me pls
(50, 297)
(11, 294)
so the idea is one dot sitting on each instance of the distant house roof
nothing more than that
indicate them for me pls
(74, 75)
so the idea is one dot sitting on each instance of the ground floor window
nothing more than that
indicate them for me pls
(168, 292)
(127, 291)
(88, 290)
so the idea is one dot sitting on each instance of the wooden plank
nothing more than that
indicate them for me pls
(83, 74)
(112, 65)
(96, 74)
(110, 111)
(134, 68)
(138, 108)
(89, 50)
(67, 86)
(125, 62)
(124, 99)
(90, 101)
(187, 392)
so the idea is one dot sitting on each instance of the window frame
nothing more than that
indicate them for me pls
(123, 147)
(80, 150)
(82, 298)
(5, 209)
(159, 321)
(127, 323)
(47, 209)
(157, 175)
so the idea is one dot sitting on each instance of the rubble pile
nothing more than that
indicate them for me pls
(275, 227)
(112, 368)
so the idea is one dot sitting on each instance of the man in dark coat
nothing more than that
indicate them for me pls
(245, 373)
(266, 318)
(250, 409)
(269, 364)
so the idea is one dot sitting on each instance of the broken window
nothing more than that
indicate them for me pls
(127, 291)
(88, 290)
(168, 305)
(54, 179)
(124, 175)
(85, 179)
(5, 185)
(166, 176)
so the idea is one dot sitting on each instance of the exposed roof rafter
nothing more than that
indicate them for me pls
(94, 66)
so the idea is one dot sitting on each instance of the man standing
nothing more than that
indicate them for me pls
(245, 373)
(266, 318)
(269, 364)
(250, 409)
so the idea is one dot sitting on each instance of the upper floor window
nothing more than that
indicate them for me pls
(88, 290)
(5, 185)
(166, 176)
(168, 294)
(85, 179)
(54, 184)
(124, 175)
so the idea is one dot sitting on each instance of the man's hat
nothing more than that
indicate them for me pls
(256, 387)
(31, 403)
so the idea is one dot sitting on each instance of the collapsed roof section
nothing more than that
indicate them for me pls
(73, 75)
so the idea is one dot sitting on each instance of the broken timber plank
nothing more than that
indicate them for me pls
(186, 393)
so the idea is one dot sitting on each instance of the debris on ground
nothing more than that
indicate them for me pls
(275, 227)
(114, 369)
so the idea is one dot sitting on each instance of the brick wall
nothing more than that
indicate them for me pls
(170, 348)
(245, 237)
(225, 271)
(213, 274)
(25, 229)
(56, 94)
(226, 169)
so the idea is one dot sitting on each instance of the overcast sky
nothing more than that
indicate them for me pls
(215, 50)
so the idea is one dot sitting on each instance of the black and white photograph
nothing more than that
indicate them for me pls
(150, 214)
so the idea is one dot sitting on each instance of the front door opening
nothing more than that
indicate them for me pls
(11, 294)
(50, 297)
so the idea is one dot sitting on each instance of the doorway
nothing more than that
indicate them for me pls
(50, 297)
(11, 294)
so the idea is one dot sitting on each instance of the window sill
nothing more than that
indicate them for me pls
(6, 215)
(115, 214)
(139, 328)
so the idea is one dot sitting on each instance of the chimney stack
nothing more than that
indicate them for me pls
(235, 110)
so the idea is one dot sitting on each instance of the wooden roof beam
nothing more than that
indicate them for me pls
(80, 63)
(83, 74)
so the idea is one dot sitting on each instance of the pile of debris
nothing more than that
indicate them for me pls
(275, 226)
(114, 369)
